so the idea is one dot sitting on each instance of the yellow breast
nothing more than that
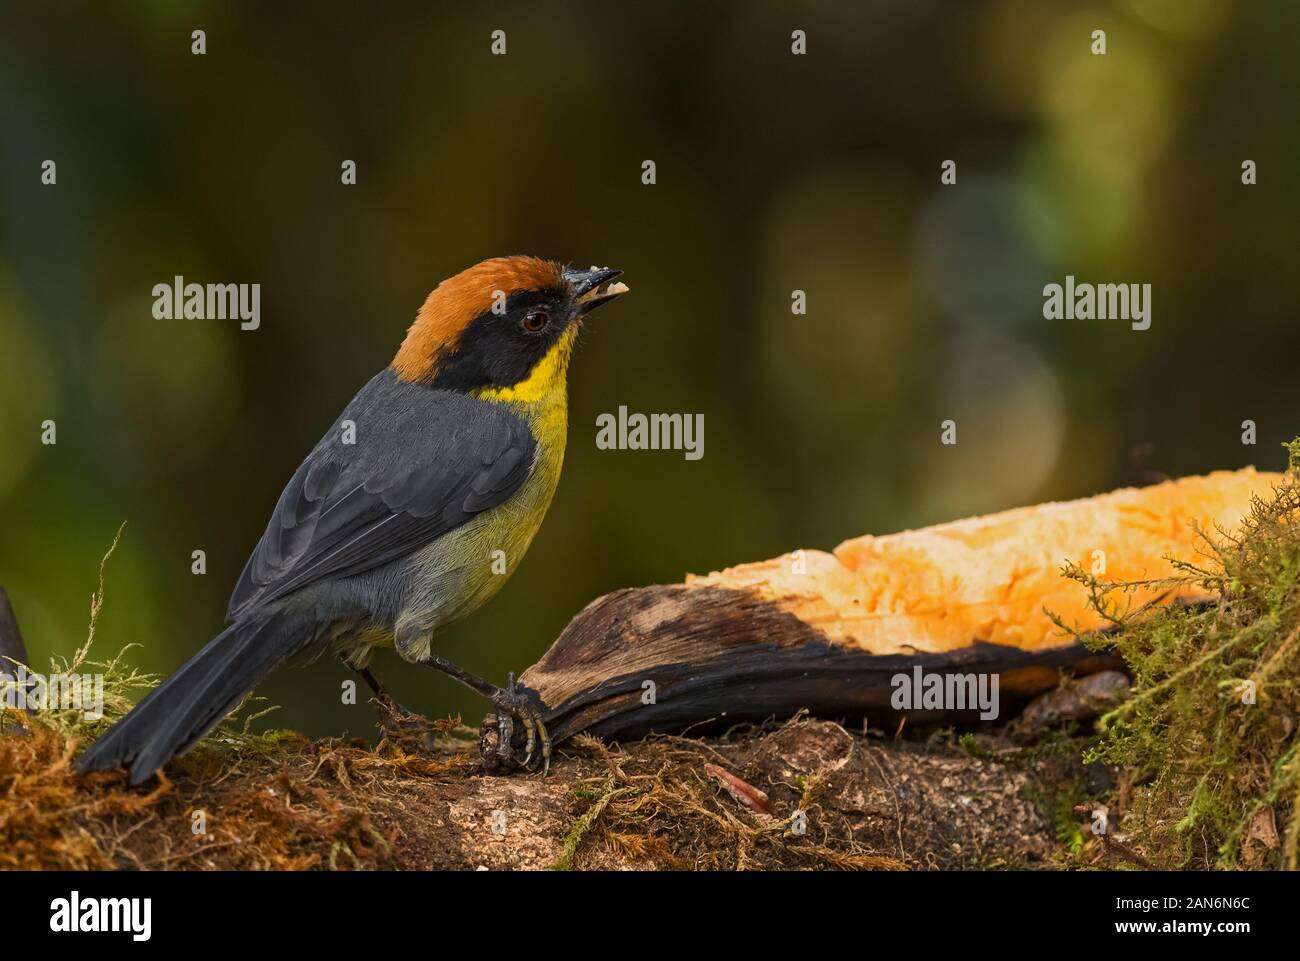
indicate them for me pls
(542, 401)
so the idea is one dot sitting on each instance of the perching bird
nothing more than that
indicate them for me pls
(390, 528)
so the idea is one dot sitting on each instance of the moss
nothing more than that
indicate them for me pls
(1065, 817)
(584, 824)
(657, 804)
(1063, 742)
(1209, 730)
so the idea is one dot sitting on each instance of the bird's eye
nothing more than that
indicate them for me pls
(535, 321)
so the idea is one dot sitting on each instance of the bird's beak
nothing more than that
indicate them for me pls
(593, 287)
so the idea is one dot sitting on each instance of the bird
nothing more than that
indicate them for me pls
(441, 467)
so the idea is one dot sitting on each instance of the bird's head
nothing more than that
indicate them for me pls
(502, 325)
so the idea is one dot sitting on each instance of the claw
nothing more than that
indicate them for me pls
(511, 703)
(505, 732)
(546, 749)
(531, 745)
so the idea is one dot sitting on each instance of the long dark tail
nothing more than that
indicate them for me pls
(189, 703)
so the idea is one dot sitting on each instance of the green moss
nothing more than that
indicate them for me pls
(1063, 742)
(584, 824)
(1210, 726)
(1069, 830)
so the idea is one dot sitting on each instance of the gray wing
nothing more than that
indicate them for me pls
(423, 463)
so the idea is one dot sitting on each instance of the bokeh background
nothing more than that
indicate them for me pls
(775, 172)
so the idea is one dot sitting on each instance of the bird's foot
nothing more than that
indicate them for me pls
(515, 702)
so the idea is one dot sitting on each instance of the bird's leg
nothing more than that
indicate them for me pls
(510, 702)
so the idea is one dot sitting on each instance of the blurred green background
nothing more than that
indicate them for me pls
(775, 172)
